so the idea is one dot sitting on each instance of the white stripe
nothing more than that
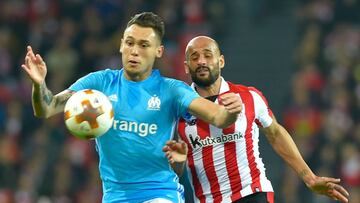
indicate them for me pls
(196, 200)
(242, 161)
(259, 162)
(220, 167)
(198, 162)
(224, 87)
(191, 130)
(261, 110)
(262, 114)
(265, 184)
(220, 162)
(246, 191)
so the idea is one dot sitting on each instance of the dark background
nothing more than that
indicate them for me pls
(303, 55)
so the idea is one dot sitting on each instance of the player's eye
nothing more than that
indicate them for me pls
(129, 43)
(145, 45)
(194, 57)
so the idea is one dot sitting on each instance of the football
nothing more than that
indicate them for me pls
(88, 114)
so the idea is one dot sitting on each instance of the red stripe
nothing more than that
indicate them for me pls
(258, 123)
(181, 130)
(229, 130)
(231, 164)
(264, 99)
(203, 130)
(190, 159)
(250, 117)
(270, 197)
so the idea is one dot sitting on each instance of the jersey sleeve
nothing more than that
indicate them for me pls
(263, 113)
(89, 81)
(183, 96)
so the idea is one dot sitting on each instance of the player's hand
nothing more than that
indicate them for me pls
(34, 66)
(232, 102)
(175, 151)
(329, 187)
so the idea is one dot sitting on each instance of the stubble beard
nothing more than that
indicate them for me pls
(205, 82)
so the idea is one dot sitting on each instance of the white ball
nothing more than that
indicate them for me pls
(88, 114)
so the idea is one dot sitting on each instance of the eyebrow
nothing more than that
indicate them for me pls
(144, 41)
(141, 41)
(208, 50)
(205, 50)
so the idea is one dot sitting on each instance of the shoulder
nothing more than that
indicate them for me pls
(241, 88)
(107, 72)
(172, 82)
(238, 88)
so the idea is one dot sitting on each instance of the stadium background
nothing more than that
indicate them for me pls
(303, 54)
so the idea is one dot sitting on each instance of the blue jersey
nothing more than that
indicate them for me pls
(132, 166)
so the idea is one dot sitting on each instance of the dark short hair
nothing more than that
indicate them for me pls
(149, 19)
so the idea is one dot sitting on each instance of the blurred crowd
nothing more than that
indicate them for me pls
(323, 115)
(41, 162)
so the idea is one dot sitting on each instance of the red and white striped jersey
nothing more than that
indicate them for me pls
(224, 165)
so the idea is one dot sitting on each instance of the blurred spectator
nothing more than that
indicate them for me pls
(327, 82)
(40, 162)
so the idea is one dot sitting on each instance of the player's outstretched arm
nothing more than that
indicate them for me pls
(44, 103)
(220, 116)
(284, 146)
(176, 153)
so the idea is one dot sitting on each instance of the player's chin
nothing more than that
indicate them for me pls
(133, 70)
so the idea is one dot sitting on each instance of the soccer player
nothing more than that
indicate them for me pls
(146, 107)
(224, 164)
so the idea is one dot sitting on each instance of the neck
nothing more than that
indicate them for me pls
(211, 90)
(137, 77)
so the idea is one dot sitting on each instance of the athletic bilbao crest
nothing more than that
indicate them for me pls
(190, 119)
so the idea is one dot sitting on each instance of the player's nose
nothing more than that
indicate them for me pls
(202, 61)
(134, 51)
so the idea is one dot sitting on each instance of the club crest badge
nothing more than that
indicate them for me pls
(154, 103)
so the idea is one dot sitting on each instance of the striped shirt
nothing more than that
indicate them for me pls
(224, 165)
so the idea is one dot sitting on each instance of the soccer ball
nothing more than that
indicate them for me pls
(88, 114)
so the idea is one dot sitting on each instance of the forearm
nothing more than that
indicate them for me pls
(45, 104)
(41, 100)
(212, 113)
(178, 167)
(223, 118)
(285, 147)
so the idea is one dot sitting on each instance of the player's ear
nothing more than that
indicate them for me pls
(121, 45)
(159, 51)
(221, 61)
(186, 66)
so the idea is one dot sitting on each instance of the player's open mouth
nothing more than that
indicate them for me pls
(133, 62)
(202, 71)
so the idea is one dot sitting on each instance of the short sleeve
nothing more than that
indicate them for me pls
(263, 113)
(183, 96)
(89, 81)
